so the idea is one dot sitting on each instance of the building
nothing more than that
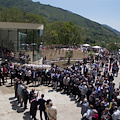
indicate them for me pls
(22, 37)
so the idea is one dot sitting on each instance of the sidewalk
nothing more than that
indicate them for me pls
(10, 110)
(66, 106)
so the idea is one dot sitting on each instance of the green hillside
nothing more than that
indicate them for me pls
(95, 32)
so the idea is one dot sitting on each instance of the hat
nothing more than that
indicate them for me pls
(50, 103)
(95, 111)
(118, 97)
(84, 82)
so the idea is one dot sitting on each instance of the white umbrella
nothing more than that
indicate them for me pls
(24, 44)
(33, 44)
(86, 45)
(97, 47)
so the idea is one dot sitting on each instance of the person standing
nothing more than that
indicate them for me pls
(33, 107)
(55, 81)
(16, 86)
(116, 113)
(1, 77)
(25, 97)
(39, 77)
(34, 75)
(28, 75)
(32, 93)
(12, 75)
(83, 90)
(5, 72)
(41, 103)
(61, 80)
(20, 93)
(85, 106)
(66, 81)
(85, 71)
(52, 112)
(23, 73)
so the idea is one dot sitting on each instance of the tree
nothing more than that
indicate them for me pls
(69, 54)
(4, 15)
(112, 47)
(16, 15)
(33, 18)
(62, 33)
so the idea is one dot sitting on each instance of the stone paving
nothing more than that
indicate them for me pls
(67, 108)
(10, 110)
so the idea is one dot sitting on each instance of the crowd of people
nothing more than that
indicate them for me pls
(20, 77)
(11, 56)
(7, 54)
(45, 106)
(23, 58)
(92, 85)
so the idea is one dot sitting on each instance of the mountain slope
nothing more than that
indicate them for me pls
(114, 30)
(95, 32)
(51, 13)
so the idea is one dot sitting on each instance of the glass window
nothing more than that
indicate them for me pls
(12, 39)
(4, 38)
(23, 40)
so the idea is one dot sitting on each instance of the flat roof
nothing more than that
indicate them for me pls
(15, 25)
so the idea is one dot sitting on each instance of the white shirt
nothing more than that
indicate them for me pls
(28, 73)
(116, 115)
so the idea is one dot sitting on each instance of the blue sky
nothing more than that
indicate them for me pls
(101, 11)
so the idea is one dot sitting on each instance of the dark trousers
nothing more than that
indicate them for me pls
(85, 73)
(25, 103)
(34, 81)
(42, 80)
(45, 114)
(16, 93)
(2, 80)
(27, 78)
(61, 85)
(12, 80)
(66, 88)
(47, 81)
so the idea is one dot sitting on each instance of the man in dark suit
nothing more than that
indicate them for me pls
(85, 71)
(16, 86)
(31, 95)
(25, 97)
(41, 102)
(34, 75)
(33, 107)
(85, 106)
(1, 77)
(43, 75)
(61, 77)
(12, 75)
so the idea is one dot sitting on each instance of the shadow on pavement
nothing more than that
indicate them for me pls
(11, 98)
(8, 86)
(50, 90)
(27, 116)
(15, 105)
(78, 104)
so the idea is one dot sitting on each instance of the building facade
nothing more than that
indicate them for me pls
(22, 37)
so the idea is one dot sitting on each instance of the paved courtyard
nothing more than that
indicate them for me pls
(67, 108)
(10, 110)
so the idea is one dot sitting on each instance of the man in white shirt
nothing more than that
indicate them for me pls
(52, 112)
(116, 113)
(28, 75)
(83, 90)
(20, 93)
